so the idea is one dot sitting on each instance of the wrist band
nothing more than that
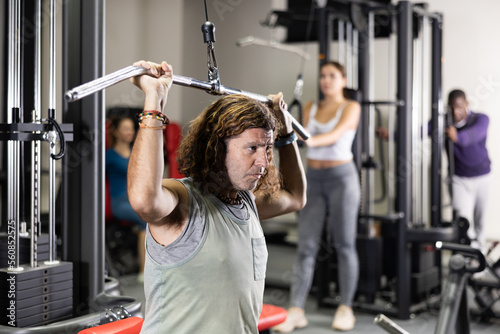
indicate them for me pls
(286, 141)
(153, 114)
(162, 127)
(288, 135)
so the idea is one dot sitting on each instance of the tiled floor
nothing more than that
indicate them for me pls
(280, 260)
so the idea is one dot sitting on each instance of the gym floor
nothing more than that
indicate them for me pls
(280, 261)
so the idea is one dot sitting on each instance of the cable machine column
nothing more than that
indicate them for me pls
(13, 106)
(417, 132)
(426, 73)
(52, 136)
(437, 123)
(366, 86)
(36, 144)
(83, 183)
(324, 36)
(404, 158)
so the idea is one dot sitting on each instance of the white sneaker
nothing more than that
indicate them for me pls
(344, 319)
(294, 319)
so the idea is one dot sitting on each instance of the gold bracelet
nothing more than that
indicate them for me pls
(142, 126)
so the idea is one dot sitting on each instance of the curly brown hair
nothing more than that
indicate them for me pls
(202, 152)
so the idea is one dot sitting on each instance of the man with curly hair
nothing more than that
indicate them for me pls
(205, 249)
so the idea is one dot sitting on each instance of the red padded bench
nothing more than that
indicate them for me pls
(270, 316)
(130, 325)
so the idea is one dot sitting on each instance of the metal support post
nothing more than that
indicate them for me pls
(403, 149)
(83, 184)
(437, 123)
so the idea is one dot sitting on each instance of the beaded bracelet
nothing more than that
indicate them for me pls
(287, 140)
(153, 114)
(142, 126)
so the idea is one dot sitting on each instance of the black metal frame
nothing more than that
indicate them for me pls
(437, 121)
(405, 13)
(403, 152)
(83, 167)
(80, 199)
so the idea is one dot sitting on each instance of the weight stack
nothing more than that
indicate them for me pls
(24, 249)
(424, 272)
(36, 296)
(370, 266)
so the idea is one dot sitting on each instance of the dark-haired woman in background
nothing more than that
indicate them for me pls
(121, 135)
(333, 196)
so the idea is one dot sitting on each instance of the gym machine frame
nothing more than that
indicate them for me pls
(89, 303)
(454, 315)
(400, 217)
(30, 296)
(403, 210)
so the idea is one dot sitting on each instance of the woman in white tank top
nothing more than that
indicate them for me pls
(333, 194)
(331, 120)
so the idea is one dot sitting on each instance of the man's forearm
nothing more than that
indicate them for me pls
(145, 170)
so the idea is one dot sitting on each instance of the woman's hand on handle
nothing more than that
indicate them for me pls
(155, 84)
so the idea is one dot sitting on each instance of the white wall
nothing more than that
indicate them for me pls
(171, 30)
(142, 29)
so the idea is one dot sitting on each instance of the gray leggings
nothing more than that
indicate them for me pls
(333, 198)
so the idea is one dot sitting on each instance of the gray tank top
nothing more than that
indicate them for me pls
(339, 151)
(219, 286)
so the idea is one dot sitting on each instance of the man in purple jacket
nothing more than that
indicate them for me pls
(472, 180)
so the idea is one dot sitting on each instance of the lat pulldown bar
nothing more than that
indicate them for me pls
(125, 73)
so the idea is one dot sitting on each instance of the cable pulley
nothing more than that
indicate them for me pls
(208, 30)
